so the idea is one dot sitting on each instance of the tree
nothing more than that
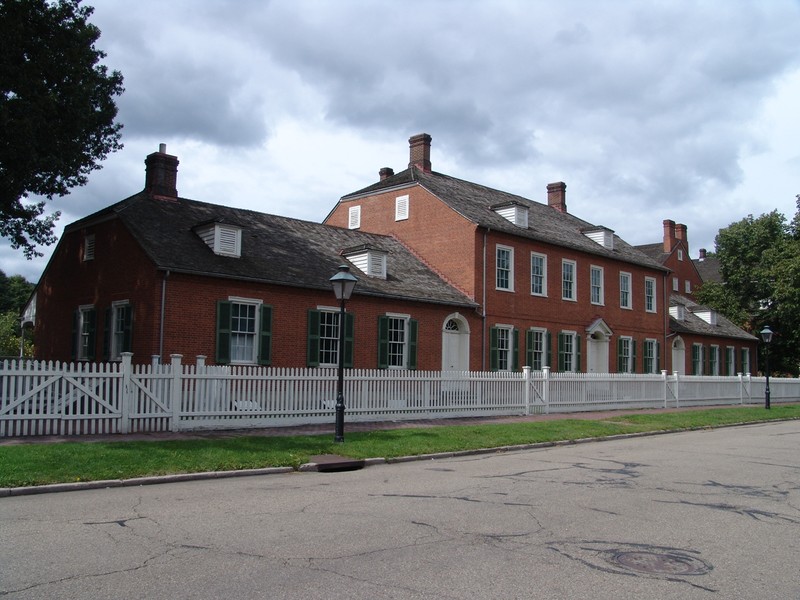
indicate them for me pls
(760, 267)
(57, 112)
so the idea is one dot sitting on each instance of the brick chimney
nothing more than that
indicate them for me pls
(385, 173)
(669, 235)
(161, 173)
(702, 254)
(680, 233)
(420, 152)
(557, 196)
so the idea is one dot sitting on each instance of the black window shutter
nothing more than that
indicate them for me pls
(413, 328)
(493, 357)
(529, 348)
(127, 335)
(515, 350)
(349, 335)
(549, 343)
(383, 342)
(223, 332)
(313, 338)
(620, 357)
(560, 351)
(633, 356)
(107, 333)
(91, 316)
(265, 336)
(577, 354)
(658, 357)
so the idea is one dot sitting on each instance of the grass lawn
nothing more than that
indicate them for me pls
(38, 464)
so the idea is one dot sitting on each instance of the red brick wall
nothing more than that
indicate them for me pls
(707, 342)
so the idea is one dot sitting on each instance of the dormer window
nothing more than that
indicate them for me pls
(708, 315)
(678, 312)
(601, 235)
(370, 261)
(224, 239)
(515, 212)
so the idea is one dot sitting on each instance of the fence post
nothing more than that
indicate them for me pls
(126, 399)
(176, 389)
(749, 388)
(546, 389)
(741, 388)
(666, 385)
(154, 360)
(526, 376)
(677, 390)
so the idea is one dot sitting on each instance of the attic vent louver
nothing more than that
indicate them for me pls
(678, 312)
(708, 315)
(370, 261)
(223, 239)
(516, 213)
(601, 235)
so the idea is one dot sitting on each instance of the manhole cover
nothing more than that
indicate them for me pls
(663, 563)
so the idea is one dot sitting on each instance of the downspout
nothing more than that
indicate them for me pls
(666, 323)
(483, 302)
(163, 308)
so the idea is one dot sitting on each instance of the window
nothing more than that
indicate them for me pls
(83, 333)
(505, 268)
(538, 349)
(697, 359)
(652, 356)
(675, 284)
(244, 331)
(118, 324)
(401, 208)
(88, 247)
(568, 280)
(323, 338)
(223, 239)
(538, 274)
(626, 355)
(625, 290)
(745, 360)
(650, 294)
(354, 217)
(503, 346)
(397, 342)
(713, 361)
(730, 360)
(569, 351)
(596, 284)
(680, 254)
(687, 286)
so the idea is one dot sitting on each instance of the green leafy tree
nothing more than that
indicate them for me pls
(57, 111)
(10, 337)
(14, 292)
(760, 267)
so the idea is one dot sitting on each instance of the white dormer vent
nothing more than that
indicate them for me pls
(602, 236)
(708, 315)
(516, 213)
(369, 261)
(678, 312)
(222, 238)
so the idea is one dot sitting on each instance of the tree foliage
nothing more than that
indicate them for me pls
(760, 266)
(14, 292)
(57, 111)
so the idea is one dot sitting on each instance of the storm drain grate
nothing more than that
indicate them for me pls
(659, 563)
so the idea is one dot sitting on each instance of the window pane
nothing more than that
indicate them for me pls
(329, 338)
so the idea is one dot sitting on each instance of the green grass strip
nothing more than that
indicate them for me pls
(38, 464)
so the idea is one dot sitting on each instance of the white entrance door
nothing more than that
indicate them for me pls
(455, 344)
(679, 356)
(597, 350)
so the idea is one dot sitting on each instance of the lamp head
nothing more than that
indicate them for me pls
(343, 283)
(766, 334)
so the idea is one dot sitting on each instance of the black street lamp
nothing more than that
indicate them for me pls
(766, 335)
(343, 283)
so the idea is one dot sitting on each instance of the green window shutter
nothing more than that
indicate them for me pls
(383, 342)
(91, 316)
(107, 334)
(515, 350)
(577, 354)
(548, 345)
(223, 356)
(265, 336)
(620, 358)
(313, 338)
(127, 337)
(658, 357)
(413, 330)
(493, 357)
(633, 356)
(707, 359)
(349, 329)
(561, 343)
(529, 348)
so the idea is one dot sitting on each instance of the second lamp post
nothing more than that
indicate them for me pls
(343, 283)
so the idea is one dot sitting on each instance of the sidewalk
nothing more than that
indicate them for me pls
(349, 427)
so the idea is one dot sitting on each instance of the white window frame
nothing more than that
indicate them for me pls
(505, 355)
(543, 275)
(509, 271)
(401, 208)
(650, 354)
(713, 359)
(676, 284)
(255, 304)
(596, 288)
(730, 360)
(82, 343)
(626, 349)
(403, 345)
(569, 267)
(680, 254)
(625, 302)
(746, 363)
(88, 247)
(687, 286)
(354, 217)
(701, 354)
(572, 355)
(329, 344)
(539, 340)
(650, 291)
(117, 336)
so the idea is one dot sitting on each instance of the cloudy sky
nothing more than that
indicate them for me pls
(648, 110)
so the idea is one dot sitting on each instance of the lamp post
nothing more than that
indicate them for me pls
(766, 335)
(343, 283)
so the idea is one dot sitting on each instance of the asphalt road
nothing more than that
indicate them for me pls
(706, 514)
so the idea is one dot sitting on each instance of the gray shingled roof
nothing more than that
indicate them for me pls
(654, 251)
(696, 325)
(275, 249)
(545, 224)
(709, 268)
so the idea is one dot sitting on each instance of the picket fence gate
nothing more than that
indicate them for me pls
(52, 398)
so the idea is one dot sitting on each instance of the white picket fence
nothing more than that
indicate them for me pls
(51, 398)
